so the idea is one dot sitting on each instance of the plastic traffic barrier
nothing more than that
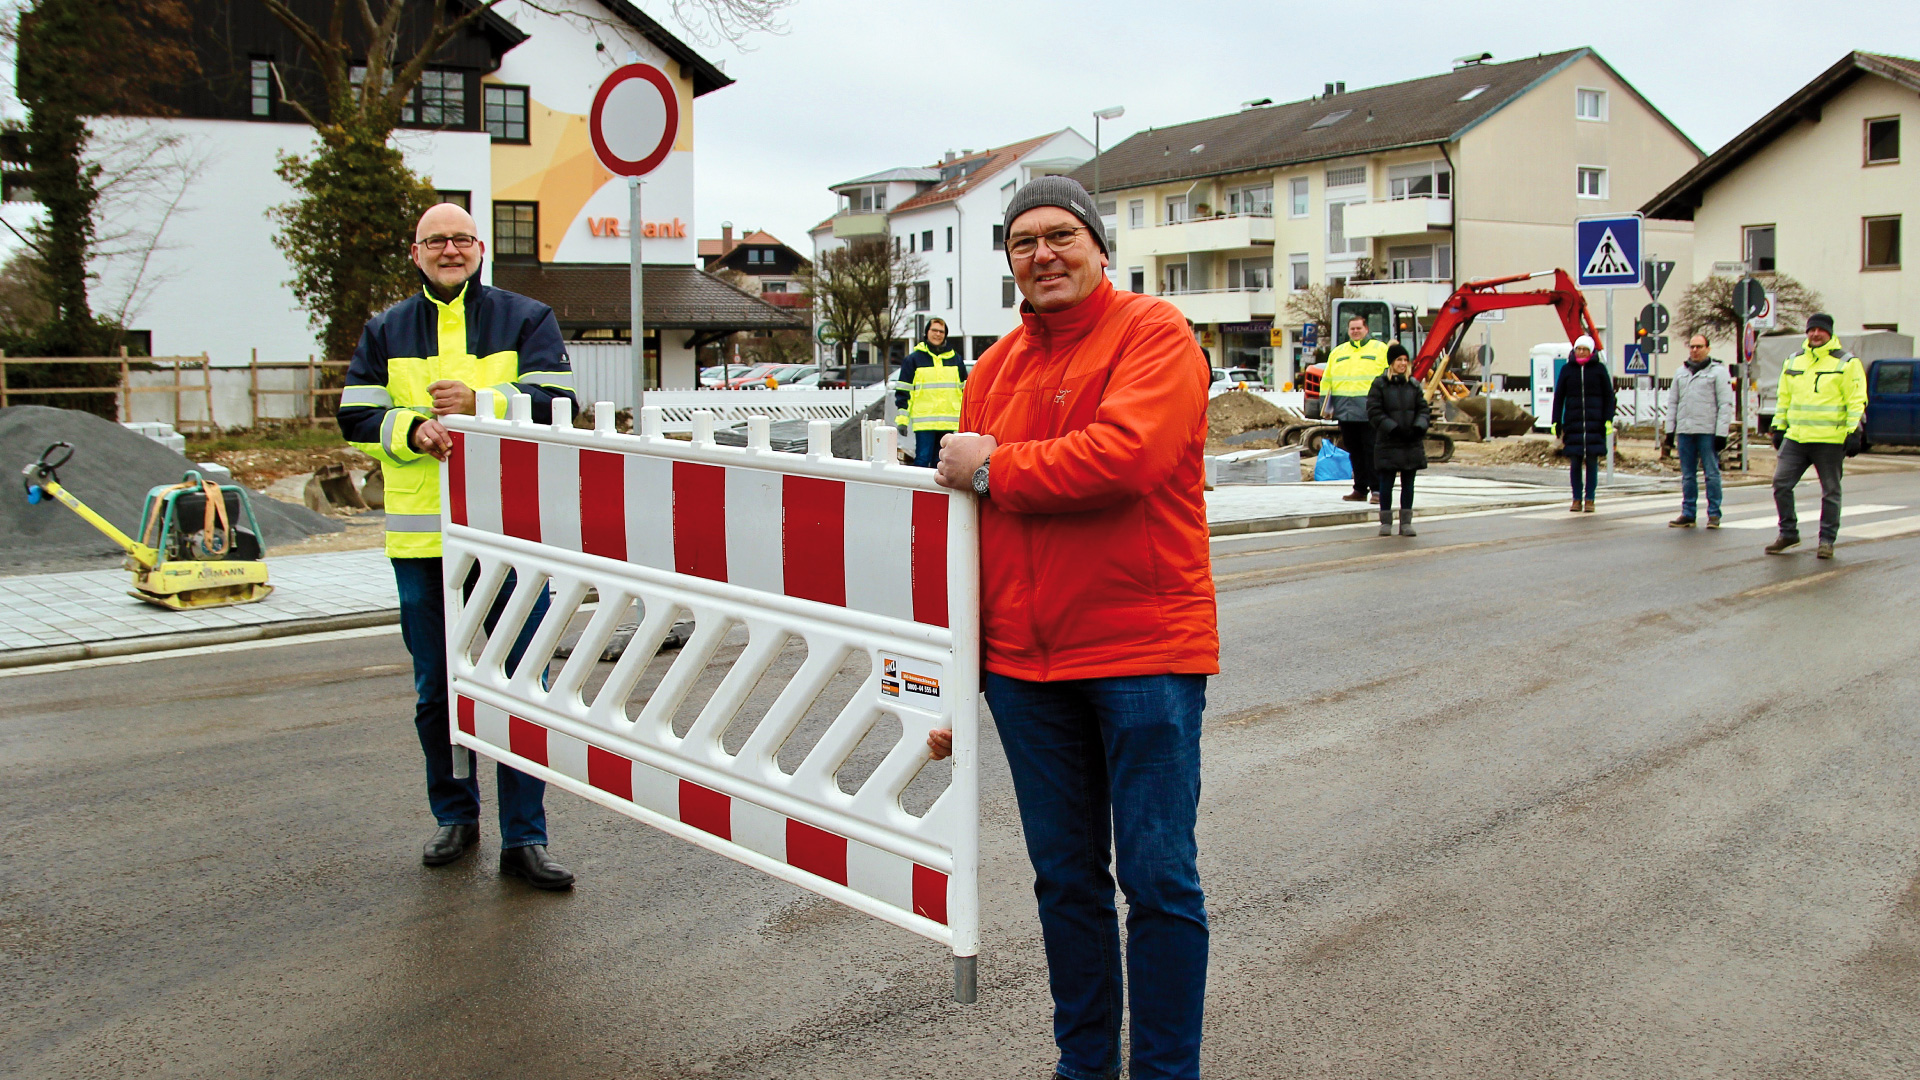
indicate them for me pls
(868, 564)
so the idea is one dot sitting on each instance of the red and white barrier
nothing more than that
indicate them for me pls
(863, 561)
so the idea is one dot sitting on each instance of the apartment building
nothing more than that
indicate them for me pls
(948, 216)
(497, 124)
(1400, 192)
(1818, 189)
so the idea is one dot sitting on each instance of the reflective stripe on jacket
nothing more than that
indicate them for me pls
(487, 338)
(933, 397)
(1823, 394)
(1350, 372)
(1094, 557)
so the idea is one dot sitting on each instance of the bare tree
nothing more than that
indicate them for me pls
(890, 291)
(832, 288)
(145, 173)
(1314, 304)
(1707, 306)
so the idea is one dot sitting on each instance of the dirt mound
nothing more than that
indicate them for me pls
(259, 467)
(111, 470)
(1509, 419)
(1236, 411)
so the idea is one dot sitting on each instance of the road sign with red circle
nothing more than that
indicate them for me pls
(635, 119)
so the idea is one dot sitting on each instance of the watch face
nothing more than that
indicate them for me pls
(980, 480)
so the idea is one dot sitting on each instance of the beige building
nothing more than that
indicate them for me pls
(1402, 191)
(1817, 189)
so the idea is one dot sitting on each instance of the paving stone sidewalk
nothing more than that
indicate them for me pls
(88, 606)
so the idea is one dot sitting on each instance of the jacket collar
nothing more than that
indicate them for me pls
(1074, 323)
(470, 291)
(1829, 351)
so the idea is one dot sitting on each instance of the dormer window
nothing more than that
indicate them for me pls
(1331, 119)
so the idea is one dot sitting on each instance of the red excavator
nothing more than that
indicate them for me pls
(1433, 350)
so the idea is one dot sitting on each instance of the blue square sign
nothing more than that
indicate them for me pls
(1607, 252)
(1634, 361)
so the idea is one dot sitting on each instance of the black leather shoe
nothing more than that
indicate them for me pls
(449, 843)
(536, 867)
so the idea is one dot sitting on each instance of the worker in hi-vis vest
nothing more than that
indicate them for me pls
(926, 393)
(1822, 402)
(419, 360)
(1351, 368)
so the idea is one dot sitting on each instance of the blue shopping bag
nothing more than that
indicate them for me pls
(1332, 463)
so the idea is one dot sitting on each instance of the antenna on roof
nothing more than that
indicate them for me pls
(1471, 60)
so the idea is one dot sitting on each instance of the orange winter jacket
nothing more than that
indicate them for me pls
(1093, 538)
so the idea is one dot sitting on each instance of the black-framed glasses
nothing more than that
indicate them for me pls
(1024, 247)
(460, 242)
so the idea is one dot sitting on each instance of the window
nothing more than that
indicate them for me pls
(1297, 197)
(926, 240)
(923, 296)
(1000, 242)
(1175, 279)
(1883, 141)
(1421, 262)
(1757, 244)
(949, 294)
(1338, 243)
(1250, 275)
(1590, 104)
(1893, 378)
(911, 239)
(505, 110)
(949, 238)
(461, 199)
(1176, 209)
(442, 97)
(1330, 119)
(1882, 247)
(516, 230)
(1137, 215)
(866, 200)
(260, 87)
(896, 245)
(1006, 292)
(1350, 176)
(1421, 180)
(1302, 277)
(1137, 279)
(16, 187)
(1590, 182)
(1256, 200)
(773, 286)
(1473, 93)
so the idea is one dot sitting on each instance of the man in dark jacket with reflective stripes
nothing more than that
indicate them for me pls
(419, 360)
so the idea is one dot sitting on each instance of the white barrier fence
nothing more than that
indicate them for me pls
(865, 572)
(730, 407)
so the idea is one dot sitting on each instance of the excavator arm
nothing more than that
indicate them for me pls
(1476, 297)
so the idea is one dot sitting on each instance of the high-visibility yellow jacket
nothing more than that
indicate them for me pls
(1823, 394)
(930, 382)
(489, 339)
(1350, 372)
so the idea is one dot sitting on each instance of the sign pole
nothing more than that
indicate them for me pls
(1605, 351)
(633, 298)
(1653, 362)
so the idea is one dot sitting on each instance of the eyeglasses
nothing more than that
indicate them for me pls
(1024, 247)
(460, 242)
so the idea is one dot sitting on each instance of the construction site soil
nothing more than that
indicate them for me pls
(111, 471)
(258, 467)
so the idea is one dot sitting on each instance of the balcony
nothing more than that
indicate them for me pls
(850, 226)
(1398, 217)
(1225, 233)
(1422, 296)
(1223, 305)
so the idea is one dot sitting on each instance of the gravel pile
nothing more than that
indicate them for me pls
(1236, 411)
(111, 471)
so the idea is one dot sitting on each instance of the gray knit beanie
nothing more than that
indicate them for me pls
(1066, 194)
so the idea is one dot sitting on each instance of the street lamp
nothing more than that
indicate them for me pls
(1114, 113)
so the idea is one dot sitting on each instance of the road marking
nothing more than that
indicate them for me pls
(1619, 506)
(1362, 560)
(1785, 586)
(1769, 521)
(199, 650)
(1879, 529)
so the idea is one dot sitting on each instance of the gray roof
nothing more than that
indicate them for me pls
(900, 175)
(1683, 196)
(1414, 113)
(675, 297)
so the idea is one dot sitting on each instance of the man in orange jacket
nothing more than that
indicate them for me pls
(1098, 626)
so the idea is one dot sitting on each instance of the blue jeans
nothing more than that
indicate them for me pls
(423, 626)
(1588, 464)
(926, 448)
(1697, 451)
(1112, 767)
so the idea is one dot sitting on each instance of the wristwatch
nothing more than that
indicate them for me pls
(980, 477)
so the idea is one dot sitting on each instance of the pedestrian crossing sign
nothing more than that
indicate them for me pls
(1607, 251)
(1634, 360)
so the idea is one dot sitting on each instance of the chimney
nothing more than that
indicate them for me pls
(950, 155)
(1339, 88)
(1329, 92)
(726, 237)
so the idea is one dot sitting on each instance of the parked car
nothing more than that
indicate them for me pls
(1893, 403)
(753, 376)
(835, 378)
(1237, 375)
(806, 380)
(714, 378)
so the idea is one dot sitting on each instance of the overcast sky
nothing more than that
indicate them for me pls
(855, 87)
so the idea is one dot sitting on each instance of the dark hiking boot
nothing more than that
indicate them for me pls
(1781, 544)
(1680, 523)
(1824, 551)
(1713, 521)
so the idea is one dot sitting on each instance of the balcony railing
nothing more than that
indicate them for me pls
(1222, 305)
(1225, 232)
(1397, 217)
(868, 224)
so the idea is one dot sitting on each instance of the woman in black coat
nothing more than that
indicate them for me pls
(1583, 405)
(1398, 410)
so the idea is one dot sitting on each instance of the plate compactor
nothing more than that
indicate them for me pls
(193, 552)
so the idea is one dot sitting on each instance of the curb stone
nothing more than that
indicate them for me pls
(91, 650)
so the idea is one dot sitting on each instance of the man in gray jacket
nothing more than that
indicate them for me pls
(1699, 415)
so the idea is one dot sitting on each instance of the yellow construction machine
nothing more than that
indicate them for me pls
(192, 551)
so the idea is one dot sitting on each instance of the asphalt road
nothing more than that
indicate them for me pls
(1531, 795)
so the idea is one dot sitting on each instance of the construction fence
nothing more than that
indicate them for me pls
(193, 394)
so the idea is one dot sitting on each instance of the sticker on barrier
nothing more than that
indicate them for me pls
(834, 608)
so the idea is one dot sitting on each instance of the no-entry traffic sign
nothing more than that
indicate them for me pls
(634, 121)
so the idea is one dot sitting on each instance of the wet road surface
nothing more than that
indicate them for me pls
(1530, 795)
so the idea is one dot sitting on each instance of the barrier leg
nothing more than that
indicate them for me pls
(966, 972)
